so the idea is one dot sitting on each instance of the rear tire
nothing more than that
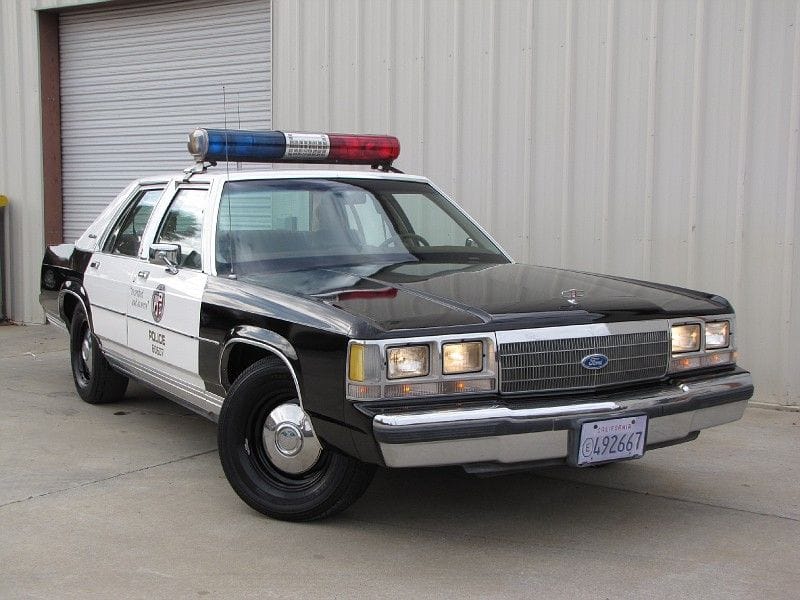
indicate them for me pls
(271, 456)
(95, 380)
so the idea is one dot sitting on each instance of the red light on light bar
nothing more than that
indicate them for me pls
(363, 148)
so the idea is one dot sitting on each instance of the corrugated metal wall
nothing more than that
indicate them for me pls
(650, 139)
(21, 157)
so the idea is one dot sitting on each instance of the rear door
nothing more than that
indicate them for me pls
(163, 326)
(107, 278)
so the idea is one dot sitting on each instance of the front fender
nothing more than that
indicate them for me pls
(262, 338)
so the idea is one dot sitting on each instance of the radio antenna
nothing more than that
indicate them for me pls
(231, 251)
(238, 125)
(225, 121)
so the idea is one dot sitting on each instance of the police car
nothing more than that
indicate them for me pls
(332, 321)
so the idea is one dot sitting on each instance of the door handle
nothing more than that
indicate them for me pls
(143, 274)
(95, 264)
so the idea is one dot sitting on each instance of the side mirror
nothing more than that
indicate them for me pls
(166, 254)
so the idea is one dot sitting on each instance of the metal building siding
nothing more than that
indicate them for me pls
(653, 139)
(21, 158)
(135, 79)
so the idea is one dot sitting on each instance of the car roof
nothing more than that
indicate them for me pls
(208, 177)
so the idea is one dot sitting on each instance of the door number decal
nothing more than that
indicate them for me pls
(158, 342)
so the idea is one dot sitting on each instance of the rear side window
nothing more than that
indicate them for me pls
(126, 236)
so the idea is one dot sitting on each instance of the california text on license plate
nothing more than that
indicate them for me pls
(612, 439)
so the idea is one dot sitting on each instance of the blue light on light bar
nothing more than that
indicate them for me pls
(243, 146)
(216, 145)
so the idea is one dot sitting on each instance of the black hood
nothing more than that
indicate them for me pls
(504, 296)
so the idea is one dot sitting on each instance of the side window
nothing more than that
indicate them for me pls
(127, 232)
(183, 225)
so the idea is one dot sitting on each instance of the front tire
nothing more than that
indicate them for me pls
(95, 380)
(271, 456)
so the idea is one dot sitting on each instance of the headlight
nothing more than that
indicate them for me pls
(421, 367)
(718, 334)
(686, 338)
(408, 361)
(689, 352)
(466, 357)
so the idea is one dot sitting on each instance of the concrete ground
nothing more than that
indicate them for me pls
(129, 501)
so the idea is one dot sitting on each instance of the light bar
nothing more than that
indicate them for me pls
(215, 145)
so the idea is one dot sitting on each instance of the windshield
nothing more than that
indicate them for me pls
(289, 224)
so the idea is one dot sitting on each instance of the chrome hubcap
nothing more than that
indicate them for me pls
(289, 439)
(86, 352)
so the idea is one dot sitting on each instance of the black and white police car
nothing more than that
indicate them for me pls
(332, 321)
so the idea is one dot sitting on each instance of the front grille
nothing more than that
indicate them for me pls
(555, 365)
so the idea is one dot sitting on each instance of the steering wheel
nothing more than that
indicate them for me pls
(402, 237)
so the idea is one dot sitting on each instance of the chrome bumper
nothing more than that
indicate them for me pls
(521, 433)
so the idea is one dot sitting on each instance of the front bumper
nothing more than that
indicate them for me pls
(541, 430)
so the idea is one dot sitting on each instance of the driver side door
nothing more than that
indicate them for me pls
(163, 328)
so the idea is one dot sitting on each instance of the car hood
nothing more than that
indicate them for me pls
(504, 296)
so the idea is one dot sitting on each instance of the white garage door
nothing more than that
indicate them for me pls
(136, 79)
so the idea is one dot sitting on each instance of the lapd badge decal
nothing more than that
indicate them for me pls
(157, 303)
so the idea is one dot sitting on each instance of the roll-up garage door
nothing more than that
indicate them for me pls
(136, 78)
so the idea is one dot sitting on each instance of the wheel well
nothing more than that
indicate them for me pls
(243, 355)
(69, 304)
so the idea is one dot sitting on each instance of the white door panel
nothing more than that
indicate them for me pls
(107, 283)
(164, 327)
(165, 351)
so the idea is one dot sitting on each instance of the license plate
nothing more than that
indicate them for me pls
(612, 439)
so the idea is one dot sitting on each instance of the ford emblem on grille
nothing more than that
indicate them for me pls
(595, 362)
